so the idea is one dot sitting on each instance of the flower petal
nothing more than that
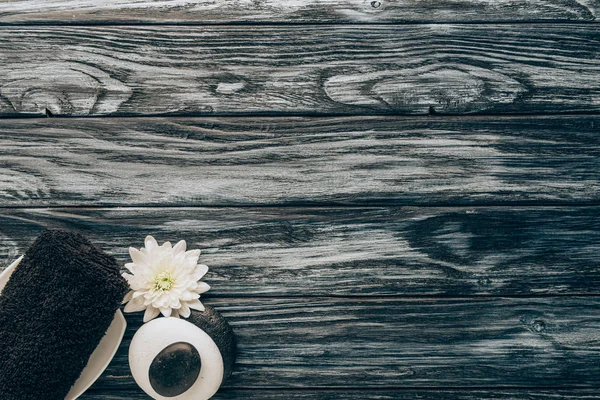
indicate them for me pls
(137, 256)
(135, 305)
(138, 293)
(196, 305)
(190, 296)
(179, 260)
(179, 247)
(134, 284)
(166, 245)
(150, 313)
(150, 242)
(161, 301)
(127, 297)
(200, 271)
(184, 311)
(166, 311)
(130, 267)
(203, 287)
(192, 255)
(174, 302)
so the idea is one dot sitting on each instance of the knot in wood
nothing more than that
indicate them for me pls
(484, 281)
(538, 326)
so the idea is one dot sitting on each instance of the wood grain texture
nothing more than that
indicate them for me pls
(298, 161)
(371, 394)
(335, 252)
(306, 11)
(449, 69)
(340, 343)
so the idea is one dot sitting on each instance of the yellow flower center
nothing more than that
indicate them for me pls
(164, 281)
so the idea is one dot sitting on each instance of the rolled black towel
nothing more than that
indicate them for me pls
(54, 311)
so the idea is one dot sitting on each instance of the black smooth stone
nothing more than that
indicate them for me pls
(213, 323)
(175, 369)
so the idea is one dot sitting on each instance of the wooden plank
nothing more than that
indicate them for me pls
(295, 161)
(303, 11)
(351, 69)
(346, 252)
(360, 394)
(425, 343)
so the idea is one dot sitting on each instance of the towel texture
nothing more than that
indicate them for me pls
(54, 311)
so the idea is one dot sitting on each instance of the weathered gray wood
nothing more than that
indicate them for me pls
(271, 161)
(299, 69)
(377, 394)
(209, 11)
(312, 343)
(373, 251)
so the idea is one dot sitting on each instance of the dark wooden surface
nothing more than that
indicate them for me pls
(377, 394)
(397, 199)
(273, 161)
(308, 69)
(295, 11)
(305, 252)
(310, 342)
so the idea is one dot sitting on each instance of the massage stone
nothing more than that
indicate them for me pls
(184, 358)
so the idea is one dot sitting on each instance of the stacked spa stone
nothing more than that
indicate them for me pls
(177, 367)
(54, 311)
(184, 358)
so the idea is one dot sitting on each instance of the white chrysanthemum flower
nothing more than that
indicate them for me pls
(164, 279)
